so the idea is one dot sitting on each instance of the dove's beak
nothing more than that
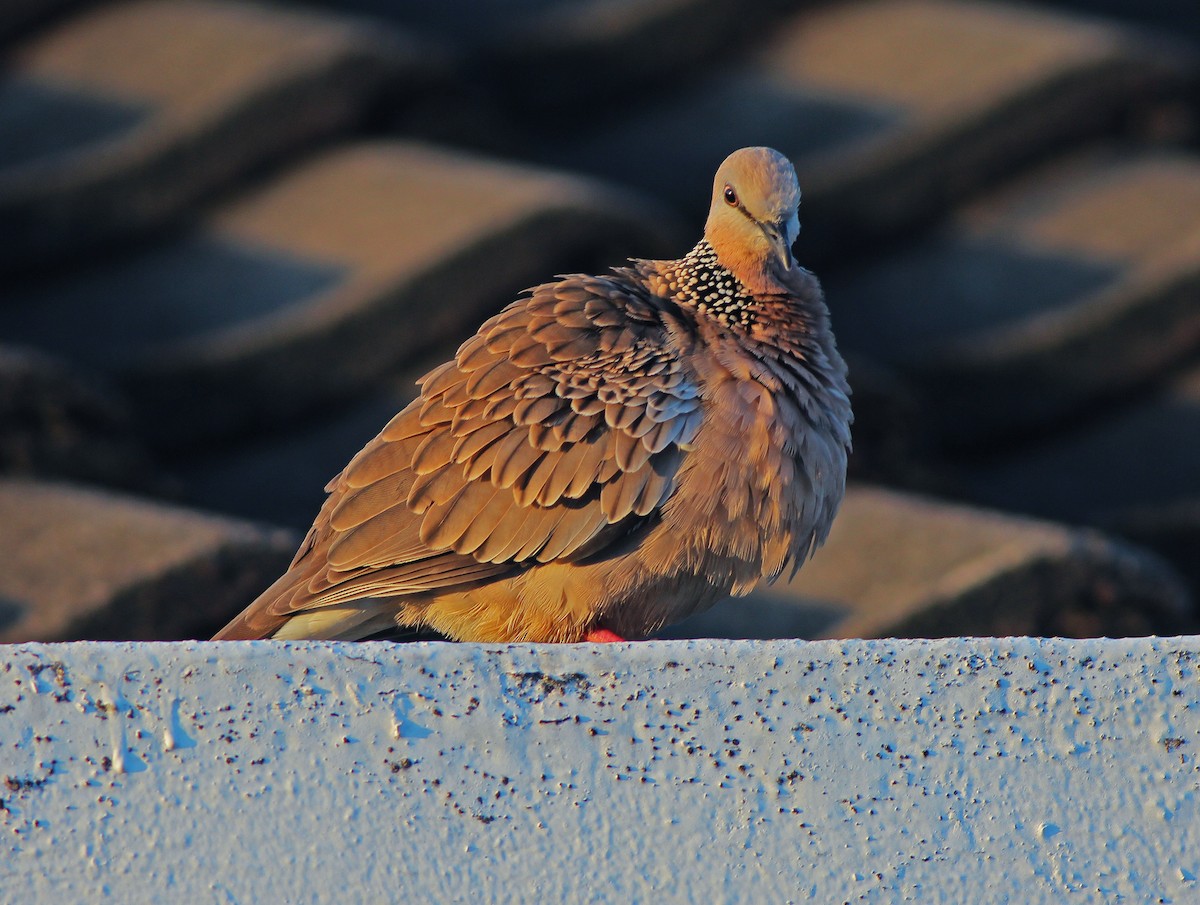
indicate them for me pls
(781, 248)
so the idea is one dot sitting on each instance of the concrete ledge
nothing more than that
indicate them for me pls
(955, 771)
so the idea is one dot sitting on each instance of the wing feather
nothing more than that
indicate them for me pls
(555, 428)
(358, 505)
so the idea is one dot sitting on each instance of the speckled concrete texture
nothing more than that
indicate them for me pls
(1015, 770)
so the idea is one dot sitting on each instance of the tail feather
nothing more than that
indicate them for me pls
(345, 622)
(263, 618)
(272, 616)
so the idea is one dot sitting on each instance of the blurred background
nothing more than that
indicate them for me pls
(233, 233)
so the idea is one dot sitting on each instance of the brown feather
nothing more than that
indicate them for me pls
(403, 426)
(475, 354)
(575, 427)
(588, 468)
(358, 505)
(572, 529)
(617, 497)
(528, 352)
(615, 450)
(520, 461)
(470, 415)
(482, 434)
(534, 386)
(537, 409)
(565, 466)
(490, 378)
(629, 452)
(439, 380)
(434, 488)
(546, 437)
(502, 544)
(587, 405)
(389, 537)
(376, 461)
(529, 488)
(618, 416)
(514, 443)
(445, 523)
(485, 522)
(500, 406)
(433, 452)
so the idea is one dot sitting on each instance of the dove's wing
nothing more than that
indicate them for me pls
(556, 429)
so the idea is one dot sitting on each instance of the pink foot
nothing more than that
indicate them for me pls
(602, 636)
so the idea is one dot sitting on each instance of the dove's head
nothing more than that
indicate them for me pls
(753, 219)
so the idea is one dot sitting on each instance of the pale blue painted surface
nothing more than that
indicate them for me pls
(973, 770)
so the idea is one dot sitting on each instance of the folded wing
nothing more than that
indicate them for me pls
(557, 428)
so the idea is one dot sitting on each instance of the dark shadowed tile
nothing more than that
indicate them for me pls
(1132, 470)
(280, 477)
(57, 421)
(542, 57)
(39, 120)
(952, 286)
(1177, 17)
(82, 564)
(904, 565)
(122, 117)
(892, 111)
(715, 116)
(1071, 286)
(326, 280)
(466, 22)
(17, 17)
(763, 615)
(1171, 530)
(112, 313)
(1143, 454)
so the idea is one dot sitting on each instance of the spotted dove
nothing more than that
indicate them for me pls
(606, 455)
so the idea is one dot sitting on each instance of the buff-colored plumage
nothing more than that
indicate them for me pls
(607, 454)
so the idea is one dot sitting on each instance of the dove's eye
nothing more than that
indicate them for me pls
(730, 196)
